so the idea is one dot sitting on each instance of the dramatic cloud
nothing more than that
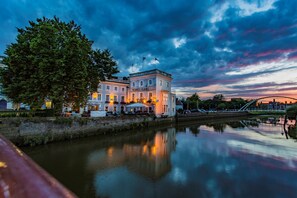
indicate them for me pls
(209, 46)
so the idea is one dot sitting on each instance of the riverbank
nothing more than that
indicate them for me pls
(36, 131)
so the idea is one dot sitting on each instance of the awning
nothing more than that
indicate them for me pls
(135, 105)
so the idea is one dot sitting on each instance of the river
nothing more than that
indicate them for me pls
(252, 157)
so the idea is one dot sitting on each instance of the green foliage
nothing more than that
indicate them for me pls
(53, 60)
(222, 106)
(292, 111)
(193, 101)
(218, 98)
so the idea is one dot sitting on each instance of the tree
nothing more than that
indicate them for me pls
(218, 98)
(193, 101)
(222, 106)
(53, 60)
(292, 112)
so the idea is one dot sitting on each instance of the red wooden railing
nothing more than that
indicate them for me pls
(20, 176)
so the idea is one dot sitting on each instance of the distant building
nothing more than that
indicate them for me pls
(151, 88)
(179, 105)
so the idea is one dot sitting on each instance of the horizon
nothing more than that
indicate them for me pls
(241, 49)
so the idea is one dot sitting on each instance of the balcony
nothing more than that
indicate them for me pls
(143, 89)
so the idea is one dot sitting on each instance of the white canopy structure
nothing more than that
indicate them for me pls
(136, 105)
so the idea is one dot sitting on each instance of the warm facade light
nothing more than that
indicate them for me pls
(95, 96)
(48, 104)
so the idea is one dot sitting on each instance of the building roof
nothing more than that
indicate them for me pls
(154, 71)
(124, 80)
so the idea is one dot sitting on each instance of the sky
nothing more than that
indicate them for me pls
(238, 48)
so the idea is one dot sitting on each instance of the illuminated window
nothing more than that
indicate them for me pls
(150, 95)
(95, 96)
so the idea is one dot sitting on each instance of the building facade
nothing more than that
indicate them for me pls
(111, 95)
(151, 88)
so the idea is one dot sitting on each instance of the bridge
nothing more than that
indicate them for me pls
(244, 108)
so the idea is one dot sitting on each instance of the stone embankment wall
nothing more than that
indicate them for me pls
(35, 131)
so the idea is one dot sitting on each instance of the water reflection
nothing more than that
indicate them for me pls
(150, 159)
(234, 158)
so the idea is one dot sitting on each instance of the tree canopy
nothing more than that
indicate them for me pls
(53, 60)
(292, 112)
(193, 101)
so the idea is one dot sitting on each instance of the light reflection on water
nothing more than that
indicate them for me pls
(247, 158)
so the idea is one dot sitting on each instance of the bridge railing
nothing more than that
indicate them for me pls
(21, 177)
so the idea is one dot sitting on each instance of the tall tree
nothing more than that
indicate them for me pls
(218, 98)
(193, 101)
(53, 60)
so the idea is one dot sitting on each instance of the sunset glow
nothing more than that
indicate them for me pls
(237, 48)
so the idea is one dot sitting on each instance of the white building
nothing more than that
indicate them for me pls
(151, 88)
(110, 96)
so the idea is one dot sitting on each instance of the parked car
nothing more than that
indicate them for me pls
(187, 111)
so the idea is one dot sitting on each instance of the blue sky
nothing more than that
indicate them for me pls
(240, 48)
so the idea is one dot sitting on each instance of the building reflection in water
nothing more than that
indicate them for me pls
(149, 158)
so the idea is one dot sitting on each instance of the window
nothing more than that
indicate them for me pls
(123, 89)
(99, 86)
(107, 87)
(133, 96)
(106, 108)
(95, 96)
(123, 99)
(99, 97)
(167, 84)
(141, 95)
(116, 88)
(150, 82)
(141, 83)
(161, 82)
(115, 98)
(107, 97)
(150, 95)
(133, 84)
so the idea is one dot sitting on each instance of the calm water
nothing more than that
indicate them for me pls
(246, 158)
